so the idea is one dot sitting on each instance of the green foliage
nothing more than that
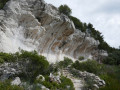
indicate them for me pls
(35, 58)
(31, 63)
(53, 68)
(7, 86)
(66, 82)
(89, 83)
(2, 3)
(113, 58)
(65, 63)
(34, 64)
(7, 57)
(1, 60)
(90, 66)
(65, 10)
(111, 75)
(81, 58)
(78, 24)
(55, 86)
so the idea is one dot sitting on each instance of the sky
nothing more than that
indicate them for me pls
(103, 14)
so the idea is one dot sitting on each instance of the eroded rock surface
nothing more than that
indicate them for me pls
(35, 25)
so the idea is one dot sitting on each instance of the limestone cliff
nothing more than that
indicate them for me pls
(35, 25)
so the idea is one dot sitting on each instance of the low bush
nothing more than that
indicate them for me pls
(90, 66)
(7, 86)
(113, 58)
(30, 63)
(65, 63)
(1, 60)
(111, 75)
(89, 83)
(7, 57)
(81, 58)
(53, 68)
(66, 84)
(33, 64)
(78, 24)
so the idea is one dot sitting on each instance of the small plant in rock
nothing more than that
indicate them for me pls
(1, 60)
(81, 58)
(65, 63)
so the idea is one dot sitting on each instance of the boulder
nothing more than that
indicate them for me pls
(54, 78)
(16, 81)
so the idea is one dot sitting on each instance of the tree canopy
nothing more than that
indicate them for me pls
(65, 10)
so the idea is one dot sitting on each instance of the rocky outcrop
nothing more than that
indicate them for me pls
(89, 78)
(35, 25)
(9, 70)
(79, 83)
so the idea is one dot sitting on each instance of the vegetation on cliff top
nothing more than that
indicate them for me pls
(84, 27)
(114, 53)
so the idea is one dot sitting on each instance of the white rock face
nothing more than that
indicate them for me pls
(35, 25)
(17, 81)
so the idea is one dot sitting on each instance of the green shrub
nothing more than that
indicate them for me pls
(55, 86)
(53, 68)
(78, 24)
(31, 63)
(66, 82)
(1, 60)
(65, 63)
(8, 57)
(7, 86)
(91, 66)
(89, 83)
(111, 83)
(37, 64)
(113, 58)
(65, 10)
(111, 75)
(81, 58)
